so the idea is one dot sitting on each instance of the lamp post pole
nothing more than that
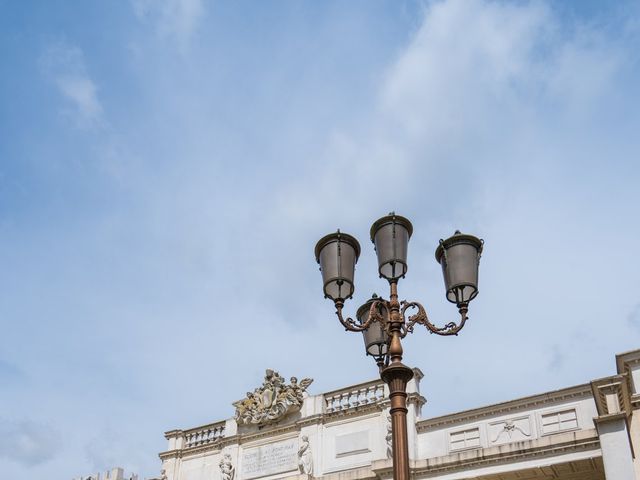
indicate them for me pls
(384, 323)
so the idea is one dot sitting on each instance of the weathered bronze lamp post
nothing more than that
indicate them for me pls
(383, 322)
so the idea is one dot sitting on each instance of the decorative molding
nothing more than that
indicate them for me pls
(170, 454)
(524, 403)
(310, 420)
(417, 374)
(417, 399)
(626, 364)
(626, 359)
(612, 396)
(359, 411)
(274, 432)
(333, 420)
(525, 450)
(357, 472)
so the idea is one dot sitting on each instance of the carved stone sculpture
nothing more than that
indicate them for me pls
(305, 457)
(389, 438)
(272, 400)
(227, 470)
(509, 428)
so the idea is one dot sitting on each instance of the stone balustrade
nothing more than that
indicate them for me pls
(356, 396)
(204, 435)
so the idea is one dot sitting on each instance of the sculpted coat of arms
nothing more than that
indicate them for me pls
(271, 401)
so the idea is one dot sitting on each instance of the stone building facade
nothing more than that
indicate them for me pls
(583, 432)
(116, 473)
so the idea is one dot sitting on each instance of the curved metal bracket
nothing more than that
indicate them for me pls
(374, 316)
(408, 323)
(421, 318)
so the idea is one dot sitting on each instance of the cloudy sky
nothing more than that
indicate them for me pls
(166, 167)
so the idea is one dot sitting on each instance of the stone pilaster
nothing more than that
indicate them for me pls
(613, 402)
(629, 364)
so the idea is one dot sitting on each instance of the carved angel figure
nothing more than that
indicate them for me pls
(227, 470)
(305, 457)
(298, 389)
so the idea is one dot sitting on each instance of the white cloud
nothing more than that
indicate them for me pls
(27, 443)
(65, 66)
(176, 19)
(476, 93)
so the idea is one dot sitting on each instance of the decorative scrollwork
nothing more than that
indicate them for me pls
(406, 324)
(374, 316)
(421, 318)
(348, 322)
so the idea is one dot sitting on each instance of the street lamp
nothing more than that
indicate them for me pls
(384, 322)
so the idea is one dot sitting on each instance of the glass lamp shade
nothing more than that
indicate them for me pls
(390, 235)
(337, 254)
(459, 257)
(376, 340)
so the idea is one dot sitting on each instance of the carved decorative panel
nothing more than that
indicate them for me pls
(510, 430)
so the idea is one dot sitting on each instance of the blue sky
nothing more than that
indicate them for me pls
(167, 166)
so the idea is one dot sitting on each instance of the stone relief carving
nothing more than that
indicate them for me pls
(305, 456)
(272, 400)
(227, 470)
(389, 437)
(509, 428)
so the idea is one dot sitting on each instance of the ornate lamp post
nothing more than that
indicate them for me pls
(384, 322)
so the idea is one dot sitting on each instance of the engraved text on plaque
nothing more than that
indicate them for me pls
(270, 459)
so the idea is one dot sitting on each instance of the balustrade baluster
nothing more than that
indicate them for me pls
(380, 392)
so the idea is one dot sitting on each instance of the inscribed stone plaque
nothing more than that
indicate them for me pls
(270, 459)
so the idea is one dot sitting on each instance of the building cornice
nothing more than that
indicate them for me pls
(585, 440)
(612, 396)
(627, 362)
(170, 454)
(570, 393)
(626, 359)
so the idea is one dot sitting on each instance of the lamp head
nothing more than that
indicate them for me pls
(390, 235)
(337, 254)
(376, 340)
(459, 256)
